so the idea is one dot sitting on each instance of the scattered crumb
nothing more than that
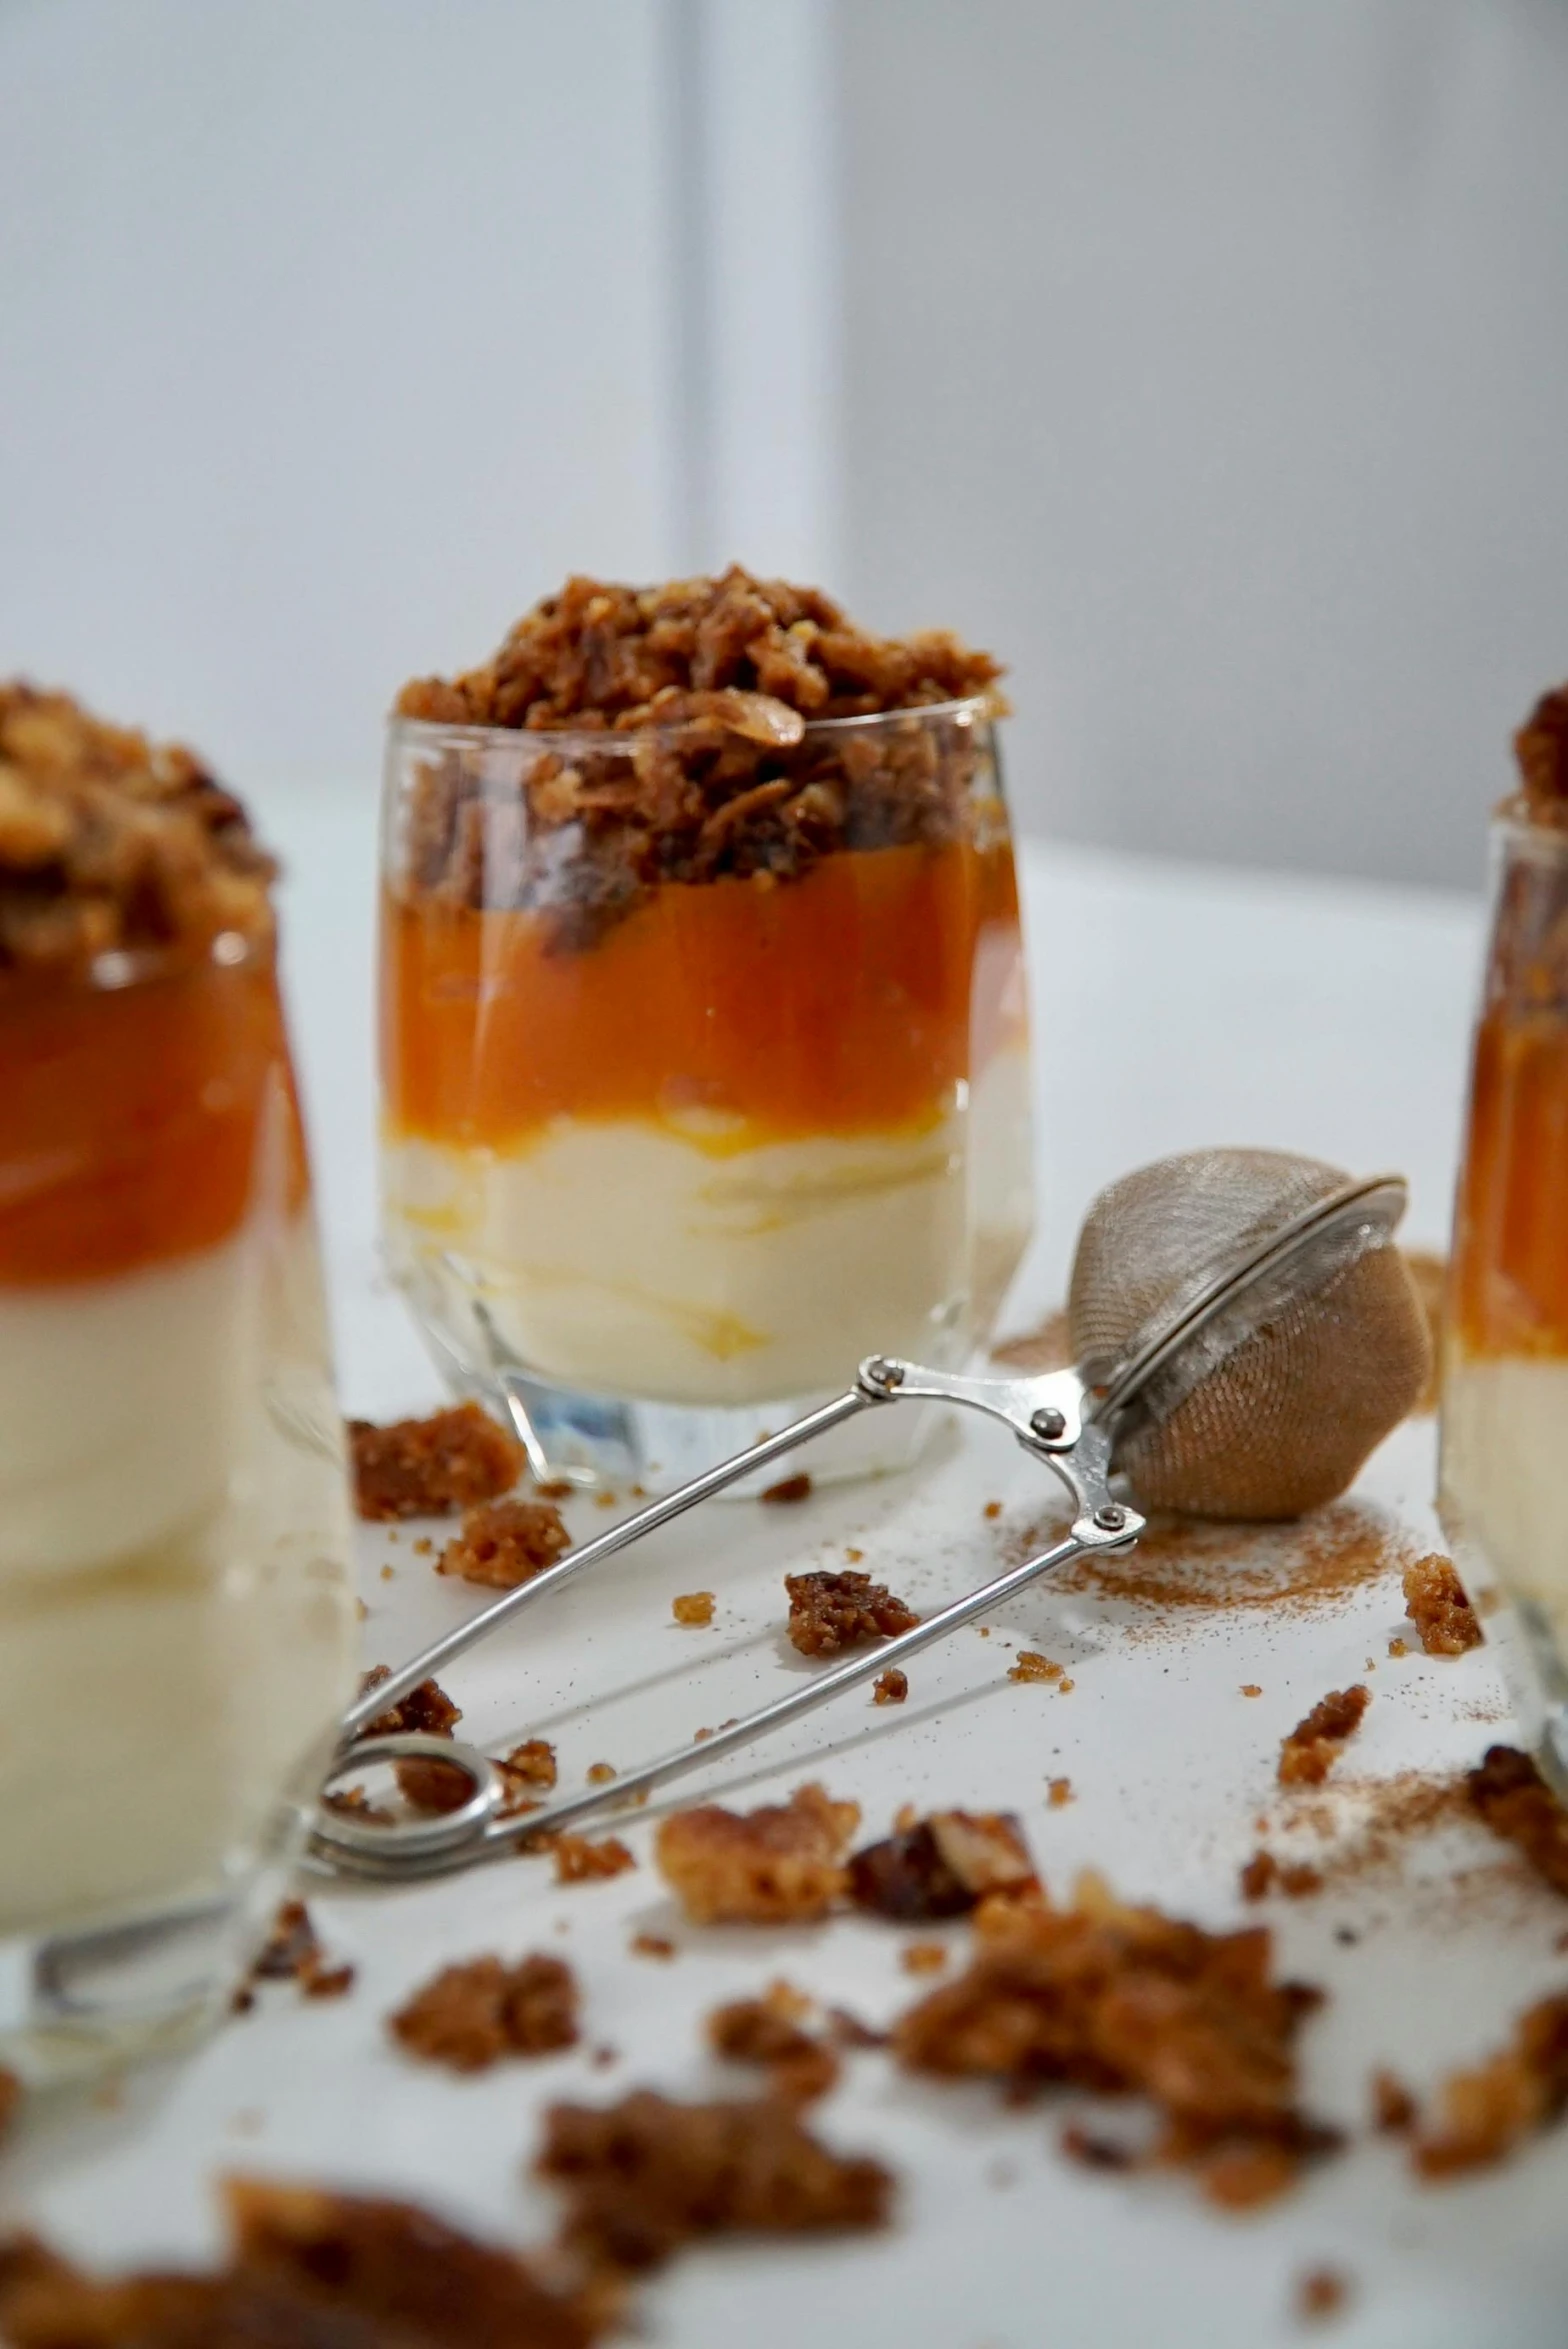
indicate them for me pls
(847, 2030)
(652, 1945)
(1436, 1604)
(556, 1488)
(604, 1500)
(1065, 1687)
(1028, 1664)
(293, 1953)
(890, 1687)
(600, 1773)
(387, 1573)
(470, 2015)
(780, 1864)
(1322, 2293)
(829, 1611)
(361, 1611)
(1393, 2106)
(505, 1543)
(1517, 1804)
(1115, 1998)
(579, 1859)
(1250, 1688)
(1485, 2112)
(853, 1557)
(770, 2030)
(1259, 1876)
(646, 2175)
(1060, 1793)
(992, 1509)
(530, 1764)
(695, 1608)
(1397, 1647)
(424, 1547)
(942, 1866)
(789, 1488)
(426, 1707)
(431, 1467)
(1314, 1745)
(923, 1957)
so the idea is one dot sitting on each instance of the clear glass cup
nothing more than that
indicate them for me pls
(1504, 1474)
(177, 1627)
(664, 1157)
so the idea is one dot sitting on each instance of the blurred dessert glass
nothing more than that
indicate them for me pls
(704, 1050)
(176, 1618)
(1504, 1485)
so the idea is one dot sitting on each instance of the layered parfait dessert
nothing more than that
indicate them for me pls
(176, 1621)
(1505, 1384)
(703, 1024)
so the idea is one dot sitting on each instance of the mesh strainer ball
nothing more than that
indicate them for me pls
(1249, 1326)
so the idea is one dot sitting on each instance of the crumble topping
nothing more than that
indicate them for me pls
(646, 2175)
(529, 1765)
(770, 2031)
(579, 1859)
(504, 1543)
(1313, 1746)
(828, 1611)
(781, 1864)
(941, 1866)
(1541, 747)
(432, 1467)
(923, 1957)
(1436, 1603)
(890, 1687)
(1263, 1874)
(652, 1945)
(110, 843)
(1485, 2112)
(1029, 1664)
(695, 1608)
(1518, 1805)
(424, 1783)
(1125, 2000)
(471, 2015)
(788, 1488)
(292, 1952)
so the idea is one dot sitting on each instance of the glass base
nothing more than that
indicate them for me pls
(604, 1442)
(93, 1999)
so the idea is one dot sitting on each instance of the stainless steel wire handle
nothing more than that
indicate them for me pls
(1052, 1418)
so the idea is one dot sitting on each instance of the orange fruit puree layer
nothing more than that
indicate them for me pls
(131, 1119)
(844, 1002)
(1511, 1252)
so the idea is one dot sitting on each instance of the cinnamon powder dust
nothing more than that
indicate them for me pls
(1181, 1562)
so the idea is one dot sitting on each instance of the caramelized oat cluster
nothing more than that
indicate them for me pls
(1436, 1603)
(471, 2015)
(1314, 1745)
(778, 1865)
(1517, 1804)
(431, 1467)
(504, 1543)
(942, 1866)
(1127, 2001)
(698, 696)
(829, 1611)
(771, 2031)
(646, 2175)
(111, 843)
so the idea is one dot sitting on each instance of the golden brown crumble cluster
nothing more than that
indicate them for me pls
(942, 1866)
(1314, 1745)
(778, 1865)
(1484, 2113)
(828, 1611)
(694, 1608)
(890, 1687)
(1126, 2001)
(292, 1952)
(703, 699)
(471, 2015)
(581, 1859)
(305, 2266)
(771, 2031)
(431, 1467)
(1436, 1603)
(110, 843)
(505, 1543)
(649, 2174)
(1517, 1804)
(1541, 747)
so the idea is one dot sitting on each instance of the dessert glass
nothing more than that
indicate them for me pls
(176, 1616)
(1504, 1475)
(663, 1159)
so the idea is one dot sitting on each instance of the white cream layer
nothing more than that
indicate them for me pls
(1505, 1475)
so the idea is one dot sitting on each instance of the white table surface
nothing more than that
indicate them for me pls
(1173, 1008)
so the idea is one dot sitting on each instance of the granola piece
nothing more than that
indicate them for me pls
(1436, 1603)
(1517, 1804)
(646, 2175)
(781, 1864)
(770, 2031)
(1393, 2107)
(788, 1488)
(1029, 1664)
(1313, 1746)
(470, 2015)
(1124, 2000)
(599, 1773)
(1259, 1876)
(292, 1952)
(110, 843)
(695, 1608)
(942, 1866)
(426, 1708)
(529, 1765)
(1485, 2112)
(652, 1945)
(1060, 1793)
(432, 1467)
(352, 1802)
(828, 1611)
(580, 1859)
(425, 1783)
(504, 1543)
(890, 1687)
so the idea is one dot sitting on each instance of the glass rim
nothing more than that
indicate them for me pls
(967, 710)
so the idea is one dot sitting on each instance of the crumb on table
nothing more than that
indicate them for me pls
(1059, 1793)
(1321, 2293)
(942, 1866)
(788, 1488)
(1436, 1604)
(1314, 1745)
(505, 1543)
(694, 1607)
(1517, 1804)
(431, 1467)
(828, 1611)
(771, 2031)
(923, 1957)
(470, 2015)
(890, 1687)
(1484, 2112)
(582, 1859)
(1029, 1664)
(781, 1863)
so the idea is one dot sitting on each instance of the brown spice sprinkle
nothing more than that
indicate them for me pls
(1323, 2292)
(1393, 2106)
(292, 1952)
(305, 2266)
(1126, 2001)
(110, 843)
(471, 2015)
(580, 1859)
(781, 1864)
(649, 2174)
(695, 1608)
(1485, 2112)
(829, 1611)
(652, 1945)
(431, 1467)
(788, 1489)
(1515, 1801)
(890, 1687)
(1314, 1745)
(505, 1543)
(1436, 1604)
(942, 1866)
(770, 2031)
(1181, 1562)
